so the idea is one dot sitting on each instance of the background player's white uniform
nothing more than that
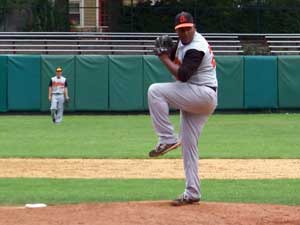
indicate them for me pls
(196, 99)
(58, 86)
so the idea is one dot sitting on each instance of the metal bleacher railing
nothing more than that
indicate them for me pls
(287, 44)
(101, 43)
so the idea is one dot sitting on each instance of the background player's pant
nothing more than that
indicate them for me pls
(196, 103)
(57, 106)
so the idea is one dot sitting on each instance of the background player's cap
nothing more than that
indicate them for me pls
(59, 69)
(183, 19)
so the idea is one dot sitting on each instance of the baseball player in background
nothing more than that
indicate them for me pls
(192, 64)
(57, 95)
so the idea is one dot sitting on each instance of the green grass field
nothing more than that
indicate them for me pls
(132, 136)
(103, 136)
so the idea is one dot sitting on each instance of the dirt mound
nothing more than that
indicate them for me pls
(155, 213)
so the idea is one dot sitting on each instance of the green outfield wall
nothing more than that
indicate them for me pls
(289, 81)
(260, 74)
(91, 86)
(126, 83)
(120, 83)
(230, 70)
(23, 83)
(3, 83)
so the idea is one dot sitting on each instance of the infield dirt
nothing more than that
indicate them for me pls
(149, 168)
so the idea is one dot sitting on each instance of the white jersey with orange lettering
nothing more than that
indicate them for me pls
(196, 98)
(206, 72)
(58, 85)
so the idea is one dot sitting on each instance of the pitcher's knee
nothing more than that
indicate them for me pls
(153, 90)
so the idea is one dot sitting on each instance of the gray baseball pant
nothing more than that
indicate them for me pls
(196, 103)
(57, 107)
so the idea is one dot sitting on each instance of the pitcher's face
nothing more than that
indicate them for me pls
(186, 34)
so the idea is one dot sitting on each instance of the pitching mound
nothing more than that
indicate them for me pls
(156, 213)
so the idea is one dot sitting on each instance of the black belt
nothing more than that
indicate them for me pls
(57, 93)
(214, 88)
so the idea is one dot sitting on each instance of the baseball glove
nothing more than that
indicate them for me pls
(67, 101)
(163, 44)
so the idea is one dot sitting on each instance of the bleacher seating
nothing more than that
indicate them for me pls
(101, 43)
(287, 44)
(105, 43)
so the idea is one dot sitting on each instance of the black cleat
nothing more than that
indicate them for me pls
(162, 149)
(53, 114)
(183, 200)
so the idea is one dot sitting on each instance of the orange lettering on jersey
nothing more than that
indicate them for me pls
(58, 84)
(213, 61)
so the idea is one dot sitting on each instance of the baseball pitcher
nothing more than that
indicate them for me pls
(193, 65)
(57, 95)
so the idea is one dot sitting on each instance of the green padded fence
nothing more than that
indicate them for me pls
(289, 81)
(230, 73)
(3, 83)
(154, 72)
(23, 89)
(126, 83)
(261, 88)
(120, 83)
(91, 83)
(49, 64)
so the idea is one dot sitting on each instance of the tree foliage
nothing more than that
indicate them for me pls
(37, 15)
(234, 16)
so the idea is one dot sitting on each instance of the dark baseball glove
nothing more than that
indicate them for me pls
(163, 44)
(67, 101)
